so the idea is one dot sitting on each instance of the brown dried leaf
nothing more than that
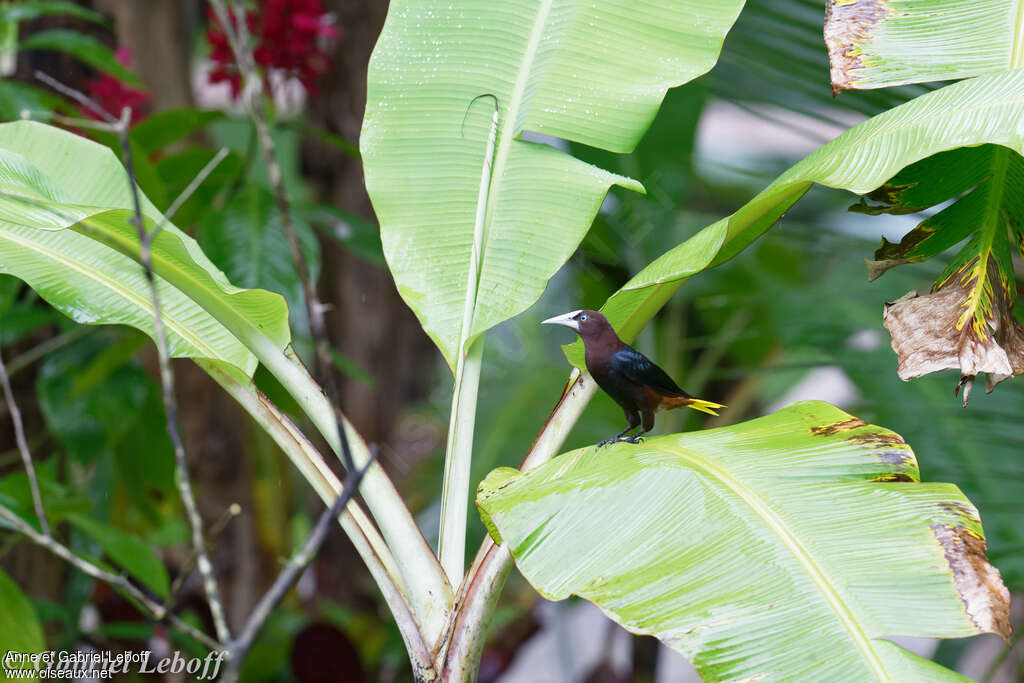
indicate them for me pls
(926, 339)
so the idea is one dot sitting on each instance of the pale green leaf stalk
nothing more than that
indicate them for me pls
(364, 536)
(462, 419)
(457, 462)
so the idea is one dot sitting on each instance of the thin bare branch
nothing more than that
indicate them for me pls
(156, 611)
(170, 402)
(26, 455)
(188, 192)
(298, 562)
(77, 96)
(43, 349)
(75, 121)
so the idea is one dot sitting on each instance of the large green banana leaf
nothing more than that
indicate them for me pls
(987, 109)
(879, 43)
(784, 548)
(65, 204)
(470, 248)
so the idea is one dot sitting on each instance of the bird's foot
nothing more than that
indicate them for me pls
(621, 439)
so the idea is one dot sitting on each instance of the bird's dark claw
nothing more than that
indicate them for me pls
(621, 439)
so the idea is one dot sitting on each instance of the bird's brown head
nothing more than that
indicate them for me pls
(590, 325)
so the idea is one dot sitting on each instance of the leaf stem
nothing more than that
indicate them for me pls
(459, 452)
(368, 542)
(457, 463)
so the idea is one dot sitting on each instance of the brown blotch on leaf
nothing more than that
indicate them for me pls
(835, 428)
(848, 26)
(889, 439)
(979, 584)
(894, 476)
(893, 457)
(968, 512)
(891, 449)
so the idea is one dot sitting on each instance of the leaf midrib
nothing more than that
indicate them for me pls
(506, 136)
(990, 223)
(1017, 51)
(799, 552)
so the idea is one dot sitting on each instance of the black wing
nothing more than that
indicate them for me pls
(637, 367)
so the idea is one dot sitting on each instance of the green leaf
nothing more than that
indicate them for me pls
(874, 44)
(16, 98)
(83, 218)
(24, 317)
(9, 288)
(981, 110)
(84, 47)
(58, 500)
(19, 626)
(97, 399)
(593, 73)
(66, 233)
(32, 9)
(806, 527)
(8, 48)
(988, 177)
(158, 130)
(336, 141)
(129, 552)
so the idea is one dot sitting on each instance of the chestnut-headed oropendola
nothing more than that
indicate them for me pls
(628, 376)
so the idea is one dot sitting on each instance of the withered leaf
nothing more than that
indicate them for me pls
(966, 322)
(926, 338)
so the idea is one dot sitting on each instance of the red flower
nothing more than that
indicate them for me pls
(287, 36)
(113, 95)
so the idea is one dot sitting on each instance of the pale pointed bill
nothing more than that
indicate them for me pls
(565, 319)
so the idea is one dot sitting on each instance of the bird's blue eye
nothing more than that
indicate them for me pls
(583, 318)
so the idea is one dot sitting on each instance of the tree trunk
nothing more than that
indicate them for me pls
(160, 35)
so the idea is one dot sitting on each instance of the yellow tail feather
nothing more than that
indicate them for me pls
(668, 403)
(704, 406)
